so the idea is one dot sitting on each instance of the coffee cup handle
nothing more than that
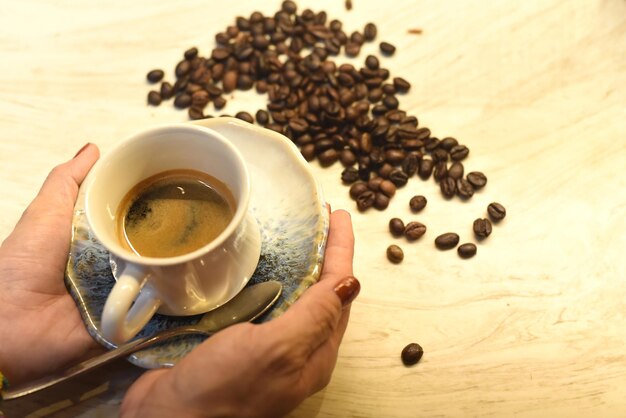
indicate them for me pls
(120, 322)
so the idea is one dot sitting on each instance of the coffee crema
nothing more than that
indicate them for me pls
(173, 213)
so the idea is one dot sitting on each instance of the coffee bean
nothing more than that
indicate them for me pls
(417, 203)
(245, 116)
(244, 82)
(390, 102)
(466, 250)
(447, 241)
(441, 171)
(349, 175)
(357, 188)
(414, 230)
(155, 76)
(448, 143)
(482, 228)
(398, 177)
(477, 179)
(191, 53)
(395, 254)
(365, 200)
(262, 117)
(347, 157)
(154, 98)
(289, 7)
(395, 156)
(464, 188)
(396, 227)
(410, 164)
(374, 183)
(496, 211)
(352, 49)
(381, 202)
(370, 31)
(167, 90)
(195, 113)
(328, 157)
(388, 188)
(229, 82)
(448, 187)
(298, 125)
(459, 152)
(183, 68)
(456, 171)
(411, 354)
(371, 62)
(219, 102)
(426, 168)
(440, 155)
(307, 151)
(200, 98)
(387, 49)
(182, 101)
(401, 85)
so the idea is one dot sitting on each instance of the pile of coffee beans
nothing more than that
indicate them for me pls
(333, 112)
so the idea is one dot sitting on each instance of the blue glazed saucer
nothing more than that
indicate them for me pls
(287, 203)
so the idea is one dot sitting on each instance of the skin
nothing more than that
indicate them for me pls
(245, 370)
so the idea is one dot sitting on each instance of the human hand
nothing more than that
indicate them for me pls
(261, 370)
(40, 328)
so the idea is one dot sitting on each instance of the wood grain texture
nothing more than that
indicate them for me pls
(533, 326)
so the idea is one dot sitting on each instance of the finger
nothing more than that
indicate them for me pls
(339, 248)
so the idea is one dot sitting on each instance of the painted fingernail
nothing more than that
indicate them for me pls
(348, 290)
(82, 149)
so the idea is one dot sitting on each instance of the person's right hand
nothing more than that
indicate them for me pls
(261, 370)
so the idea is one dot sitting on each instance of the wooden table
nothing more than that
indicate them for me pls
(533, 326)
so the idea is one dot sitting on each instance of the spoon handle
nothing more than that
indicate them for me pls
(89, 364)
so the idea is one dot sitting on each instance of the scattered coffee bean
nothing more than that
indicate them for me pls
(398, 178)
(466, 250)
(401, 85)
(182, 101)
(395, 254)
(496, 211)
(155, 76)
(365, 200)
(456, 171)
(388, 188)
(262, 117)
(426, 168)
(195, 113)
(357, 188)
(381, 202)
(411, 354)
(417, 203)
(447, 241)
(477, 179)
(414, 230)
(448, 187)
(482, 228)
(154, 98)
(396, 227)
(459, 152)
(349, 175)
(464, 188)
(374, 183)
(219, 102)
(387, 49)
(370, 32)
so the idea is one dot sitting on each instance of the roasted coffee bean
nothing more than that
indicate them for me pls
(182, 101)
(440, 155)
(229, 82)
(410, 164)
(396, 227)
(298, 125)
(370, 31)
(155, 76)
(289, 7)
(195, 113)
(448, 187)
(441, 171)
(347, 157)
(398, 177)
(411, 354)
(357, 188)
(464, 188)
(167, 90)
(395, 156)
(381, 202)
(307, 151)
(374, 183)
(390, 102)
(371, 62)
(482, 227)
(387, 49)
(245, 116)
(448, 143)
(219, 102)
(328, 157)
(262, 117)
(426, 168)
(357, 38)
(349, 175)
(365, 200)
(244, 82)
(200, 98)
(496, 211)
(466, 250)
(387, 187)
(401, 85)
(352, 49)
(459, 152)
(417, 203)
(477, 179)
(183, 68)
(395, 254)
(414, 230)
(154, 98)
(456, 171)
(191, 53)
(447, 241)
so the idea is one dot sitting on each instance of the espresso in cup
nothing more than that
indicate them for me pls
(174, 212)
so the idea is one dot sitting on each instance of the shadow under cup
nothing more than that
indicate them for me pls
(203, 279)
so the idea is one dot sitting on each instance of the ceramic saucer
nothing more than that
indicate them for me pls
(287, 203)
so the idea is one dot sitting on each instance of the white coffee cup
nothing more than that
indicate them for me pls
(188, 284)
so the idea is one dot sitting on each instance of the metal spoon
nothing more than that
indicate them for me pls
(249, 304)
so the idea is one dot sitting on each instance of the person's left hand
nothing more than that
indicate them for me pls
(40, 328)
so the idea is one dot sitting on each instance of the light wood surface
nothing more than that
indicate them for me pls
(533, 326)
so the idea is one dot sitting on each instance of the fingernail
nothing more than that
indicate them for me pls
(348, 290)
(82, 149)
